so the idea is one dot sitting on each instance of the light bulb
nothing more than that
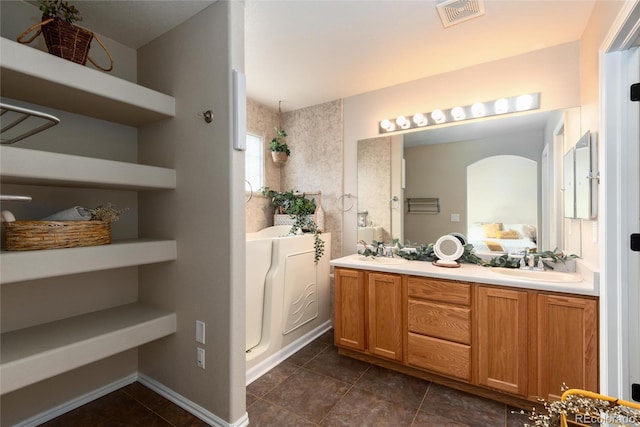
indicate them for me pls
(387, 125)
(403, 122)
(420, 119)
(458, 113)
(478, 109)
(438, 116)
(524, 102)
(501, 106)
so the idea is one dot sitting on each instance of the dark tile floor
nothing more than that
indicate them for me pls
(314, 387)
(318, 387)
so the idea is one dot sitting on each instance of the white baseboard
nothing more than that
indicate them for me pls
(77, 402)
(186, 404)
(189, 406)
(157, 387)
(275, 359)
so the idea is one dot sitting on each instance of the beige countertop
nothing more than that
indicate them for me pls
(586, 279)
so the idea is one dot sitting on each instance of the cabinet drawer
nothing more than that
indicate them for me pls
(442, 321)
(439, 356)
(440, 290)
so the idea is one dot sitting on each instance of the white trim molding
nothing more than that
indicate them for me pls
(190, 406)
(618, 124)
(77, 402)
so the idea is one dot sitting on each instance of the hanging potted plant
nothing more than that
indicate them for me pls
(279, 150)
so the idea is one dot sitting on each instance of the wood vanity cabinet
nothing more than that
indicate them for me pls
(503, 344)
(439, 326)
(567, 335)
(350, 309)
(368, 312)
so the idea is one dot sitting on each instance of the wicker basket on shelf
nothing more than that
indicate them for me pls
(37, 235)
(66, 41)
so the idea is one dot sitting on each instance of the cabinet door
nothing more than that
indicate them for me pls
(567, 344)
(349, 317)
(385, 315)
(502, 340)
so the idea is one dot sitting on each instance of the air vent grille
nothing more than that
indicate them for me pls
(456, 11)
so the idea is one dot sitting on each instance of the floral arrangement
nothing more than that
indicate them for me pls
(586, 409)
(108, 213)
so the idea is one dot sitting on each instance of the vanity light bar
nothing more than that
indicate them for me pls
(514, 104)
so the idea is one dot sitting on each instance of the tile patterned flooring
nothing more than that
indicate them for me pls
(314, 387)
(318, 387)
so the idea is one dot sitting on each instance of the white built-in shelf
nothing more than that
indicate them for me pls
(31, 75)
(25, 166)
(17, 266)
(33, 354)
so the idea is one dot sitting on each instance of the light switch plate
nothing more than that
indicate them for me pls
(200, 331)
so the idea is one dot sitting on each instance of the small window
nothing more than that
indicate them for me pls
(254, 163)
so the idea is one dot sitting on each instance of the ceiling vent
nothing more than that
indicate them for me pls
(456, 11)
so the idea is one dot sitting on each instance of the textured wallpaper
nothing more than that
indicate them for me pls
(316, 162)
(374, 183)
(261, 121)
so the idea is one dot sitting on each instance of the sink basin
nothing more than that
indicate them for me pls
(379, 260)
(542, 276)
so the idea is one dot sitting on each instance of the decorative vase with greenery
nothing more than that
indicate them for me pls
(301, 211)
(279, 150)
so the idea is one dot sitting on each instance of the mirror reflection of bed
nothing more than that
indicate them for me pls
(502, 216)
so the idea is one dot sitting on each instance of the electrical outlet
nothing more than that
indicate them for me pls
(200, 358)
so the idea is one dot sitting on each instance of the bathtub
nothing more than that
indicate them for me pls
(287, 296)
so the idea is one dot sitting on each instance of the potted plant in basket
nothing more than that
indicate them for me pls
(62, 37)
(299, 213)
(279, 150)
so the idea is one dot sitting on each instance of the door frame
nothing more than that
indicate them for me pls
(618, 198)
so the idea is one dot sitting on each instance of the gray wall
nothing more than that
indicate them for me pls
(205, 213)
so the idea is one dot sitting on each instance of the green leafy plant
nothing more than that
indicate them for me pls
(289, 202)
(306, 222)
(59, 9)
(301, 211)
(277, 145)
(548, 259)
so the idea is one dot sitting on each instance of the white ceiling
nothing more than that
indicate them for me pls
(307, 52)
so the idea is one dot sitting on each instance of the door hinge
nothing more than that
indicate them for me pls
(635, 92)
(635, 242)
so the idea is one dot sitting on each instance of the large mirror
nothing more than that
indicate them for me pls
(482, 175)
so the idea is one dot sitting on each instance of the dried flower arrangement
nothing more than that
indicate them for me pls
(585, 408)
(108, 213)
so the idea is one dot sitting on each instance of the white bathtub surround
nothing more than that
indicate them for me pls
(288, 295)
